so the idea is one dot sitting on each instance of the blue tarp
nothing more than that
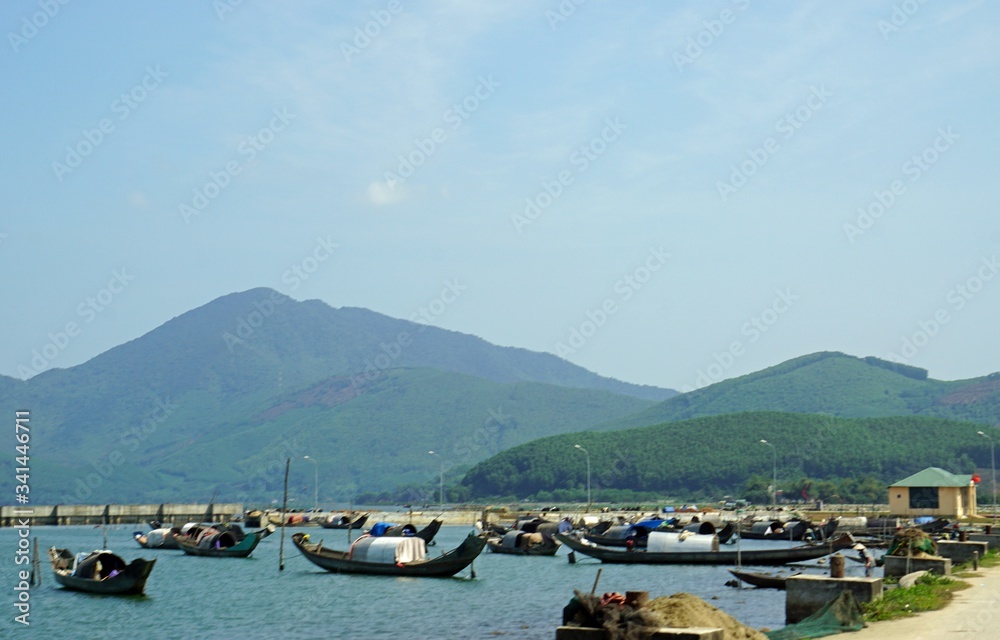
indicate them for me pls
(669, 510)
(380, 528)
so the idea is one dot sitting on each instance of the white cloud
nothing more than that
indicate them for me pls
(380, 193)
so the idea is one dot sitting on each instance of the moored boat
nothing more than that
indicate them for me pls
(391, 556)
(761, 580)
(220, 540)
(345, 521)
(100, 571)
(521, 543)
(161, 538)
(763, 557)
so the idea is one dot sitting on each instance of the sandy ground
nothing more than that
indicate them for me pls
(973, 614)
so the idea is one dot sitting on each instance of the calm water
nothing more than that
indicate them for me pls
(511, 597)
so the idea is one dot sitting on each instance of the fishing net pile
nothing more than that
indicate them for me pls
(844, 613)
(621, 621)
(913, 542)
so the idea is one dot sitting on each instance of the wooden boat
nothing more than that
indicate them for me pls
(159, 538)
(427, 534)
(521, 543)
(220, 540)
(100, 571)
(761, 580)
(345, 522)
(762, 557)
(354, 561)
(619, 535)
(795, 530)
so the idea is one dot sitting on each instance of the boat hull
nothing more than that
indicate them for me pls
(755, 557)
(131, 580)
(443, 566)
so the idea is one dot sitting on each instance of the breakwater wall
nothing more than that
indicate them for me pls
(69, 514)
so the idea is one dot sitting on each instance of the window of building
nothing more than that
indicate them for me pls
(924, 498)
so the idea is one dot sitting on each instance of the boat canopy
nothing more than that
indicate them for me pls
(667, 541)
(388, 550)
(98, 565)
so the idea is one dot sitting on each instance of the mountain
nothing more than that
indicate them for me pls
(835, 384)
(218, 397)
(717, 455)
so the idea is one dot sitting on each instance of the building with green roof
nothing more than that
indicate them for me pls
(934, 492)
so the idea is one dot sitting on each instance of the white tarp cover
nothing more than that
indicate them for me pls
(389, 550)
(666, 541)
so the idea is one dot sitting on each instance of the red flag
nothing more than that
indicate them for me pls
(976, 478)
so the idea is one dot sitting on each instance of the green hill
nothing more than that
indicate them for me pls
(219, 396)
(717, 455)
(834, 384)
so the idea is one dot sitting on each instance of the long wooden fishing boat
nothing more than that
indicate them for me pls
(761, 580)
(100, 572)
(345, 522)
(794, 530)
(392, 556)
(755, 557)
(221, 540)
(519, 543)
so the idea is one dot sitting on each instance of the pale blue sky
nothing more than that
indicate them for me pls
(737, 138)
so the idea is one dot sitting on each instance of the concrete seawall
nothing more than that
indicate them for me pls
(116, 513)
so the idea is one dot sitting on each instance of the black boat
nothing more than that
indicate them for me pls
(345, 521)
(380, 529)
(100, 572)
(391, 556)
(761, 580)
(794, 530)
(761, 557)
(521, 543)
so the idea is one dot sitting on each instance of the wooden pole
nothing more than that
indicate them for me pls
(36, 568)
(284, 518)
(596, 580)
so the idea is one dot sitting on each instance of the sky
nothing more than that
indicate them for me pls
(665, 193)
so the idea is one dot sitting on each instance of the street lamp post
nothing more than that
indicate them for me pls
(315, 481)
(587, 453)
(993, 465)
(441, 474)
(774, 474)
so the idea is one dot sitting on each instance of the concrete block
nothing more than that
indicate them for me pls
(991, 539)
(959, 552)
(805, 595)
(899, 566)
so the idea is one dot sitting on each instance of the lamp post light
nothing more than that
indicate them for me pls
(441, 461)
(587, 453)
(993, 465)
(315, 481)
(774, 474)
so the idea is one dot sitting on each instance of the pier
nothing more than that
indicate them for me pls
(63, 514)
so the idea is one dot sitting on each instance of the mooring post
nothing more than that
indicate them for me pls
(837, 566)
(975, 561)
